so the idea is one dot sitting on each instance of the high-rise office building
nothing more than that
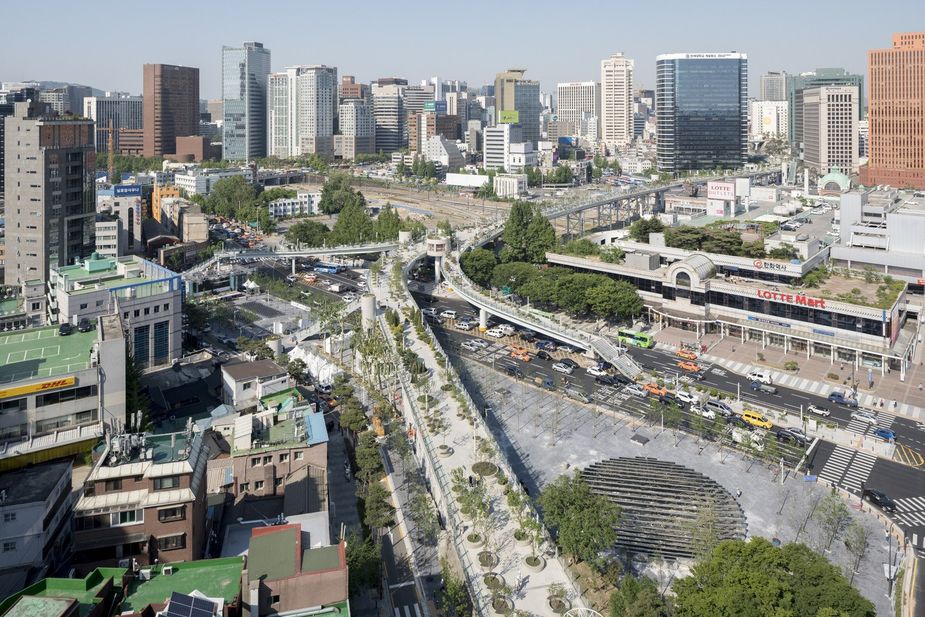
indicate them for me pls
(796, 84)
(300, 116)
(123, 110)
(171, 106)
(513, 93)
(51, 192)
(576, 98)
(245, 71)
(830, 129)
(702, 111)
(350, 89)
(774, 86)
(617, 128)
(7, 100)
(66, 99)
(357, 129)
(768, 119)
(389, 114)
(896, 119)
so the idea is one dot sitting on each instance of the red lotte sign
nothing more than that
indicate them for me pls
(800, 299)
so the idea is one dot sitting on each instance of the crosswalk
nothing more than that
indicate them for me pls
(847, 468)
(408, 610)
(860, 427)
(910, 511)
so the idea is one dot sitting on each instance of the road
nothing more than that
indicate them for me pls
(903, 479)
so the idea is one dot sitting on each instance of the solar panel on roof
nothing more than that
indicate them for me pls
(182, 605)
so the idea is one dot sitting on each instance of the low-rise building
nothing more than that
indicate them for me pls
(144, 500)
(148, 298)
(109, 236)
(57, 392)
(439, 150)
(126, 203)
(197, 181)
(150, 591)
(92, 596)
(35, 532)
(244, 383)
(184, 219)
(304, 203)
(510, 185)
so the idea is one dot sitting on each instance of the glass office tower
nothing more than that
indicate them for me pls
(245, 71)
(702, 111)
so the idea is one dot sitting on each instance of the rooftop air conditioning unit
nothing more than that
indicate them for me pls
(168, 570)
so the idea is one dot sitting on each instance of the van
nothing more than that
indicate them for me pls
(719, 407)
(756, 419)
(760, 377)
(757, 386)
(429, 311)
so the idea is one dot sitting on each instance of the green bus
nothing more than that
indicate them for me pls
(639, 339)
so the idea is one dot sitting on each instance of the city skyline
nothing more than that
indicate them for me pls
(420, 57)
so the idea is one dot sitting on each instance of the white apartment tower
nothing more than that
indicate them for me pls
(830, 129)
(617, 101)
(578, 100)
(301, 111)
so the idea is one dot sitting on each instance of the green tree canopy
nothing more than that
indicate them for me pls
(638, 597)
(785, 252)
(756, 579)
(515, 230)
(232, 198)
(353, 225)
(584, 523)
(478, 265)
(581, 247)
(515, 274)
(337, 193)
(641, 228)
(364, 560)
(388, 223)
(308, 233)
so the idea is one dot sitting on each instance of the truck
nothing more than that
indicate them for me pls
(336, 288)
(746, 437)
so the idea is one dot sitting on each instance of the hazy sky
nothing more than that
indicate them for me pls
(104, 43)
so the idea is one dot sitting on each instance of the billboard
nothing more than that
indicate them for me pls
(568, 141)
(435, 106)
(721, 190)
(508, 116)
(38, 387)
(127, 190)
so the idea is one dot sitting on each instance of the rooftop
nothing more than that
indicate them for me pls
(31, 606)
(322, 558)
(108, 272)
(32, 484)
(85, 591)
(293, 427)
(42, 352)
(164, 448)
(272, 552)
(216, 578)
(250, 370)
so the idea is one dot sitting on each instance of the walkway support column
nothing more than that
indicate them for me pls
(293, 266)
(483, 320)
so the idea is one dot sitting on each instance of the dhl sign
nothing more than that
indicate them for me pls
(53, 384)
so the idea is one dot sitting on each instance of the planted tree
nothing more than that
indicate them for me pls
(583, 522)
(833, 516)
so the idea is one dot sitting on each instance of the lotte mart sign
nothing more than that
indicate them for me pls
(799, 299)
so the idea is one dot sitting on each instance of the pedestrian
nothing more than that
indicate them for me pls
(920, 387)
(471, 481)
(738, 493)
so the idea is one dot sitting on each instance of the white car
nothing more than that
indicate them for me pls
(595, 371)
(448, 314)
(429, 311)
(471, 345)
(567, 349)
(495, 332)
(685, 397)
(700, 410)
(479, 343)
(819, 411)
(636, 390)
(465, 325)
(760, 377)
(864, 416)
(507, 328)
(559, 367)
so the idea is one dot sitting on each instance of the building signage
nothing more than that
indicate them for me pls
(508, 116)
(127, 191)
(770, 321)
(769, 265)
(38, 387)
(788, 298)
(721, 190)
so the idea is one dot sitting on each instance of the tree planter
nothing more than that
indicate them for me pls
(475, 540)
(501, 605)
(493, 580)
(484, 469)
(488, 560)
(444, 450)
(521, 538)
(535, 563)
(558, 605)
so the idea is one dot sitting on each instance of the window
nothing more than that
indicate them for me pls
(171, 543)
(9, 517)
(248, 385)
(157, 309)
(83, 306)
(243, 488)
(9, 547)
(166, 483)
(299, 456)
(125, 315)
(137, 312)
(284, 458)
(36, 306)
(255, 461)
(258, 485)
(277, 482)
(177, 513)
(268, 460)
(166, 306)
(274, 599)
(147, 311)
(129, 517)
(114, 485)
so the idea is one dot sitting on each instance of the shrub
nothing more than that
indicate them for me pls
(833, 376)
(791, 365)
(760, 357)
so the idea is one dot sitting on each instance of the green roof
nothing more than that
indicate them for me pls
(216, 578)
(272, 555)
(278, 398)
(31, 606)
(84, 591)
(12, 305)
(42, 352)
(323, 558)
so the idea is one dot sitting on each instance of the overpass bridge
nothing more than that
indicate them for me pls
(290, 252)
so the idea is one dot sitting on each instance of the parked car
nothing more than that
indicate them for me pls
(885, 434)
(545, 345)
(700, 410)
(636, 390)
(654, 388)
(787, 436)
(544, 382)
(84, 325)
(841, 398)
(465, 324)
(479, 343)
(429, 311)
(494, 333)
(736, 421)
(470, 345)
(756, 419)
(65, 329)
(543, 355)
(880, 499)
(567, 349)
(621, 379)
(604, 380)
(514, 371)
(757, 386)
(448, 314)
(819, 411)
(719, 407)
(576, 393)
(668, 399)
(595, 371)
(862, 415)
(519, 353)
(507, 328)
(527, 335)
(569, 362)
(561, 367)
(760, 377)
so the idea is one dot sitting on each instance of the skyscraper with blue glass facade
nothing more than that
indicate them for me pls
(245, 71)
(702, 111)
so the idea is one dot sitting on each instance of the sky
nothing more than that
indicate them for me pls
(105, 46)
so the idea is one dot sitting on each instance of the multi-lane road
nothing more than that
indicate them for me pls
(852, 470)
